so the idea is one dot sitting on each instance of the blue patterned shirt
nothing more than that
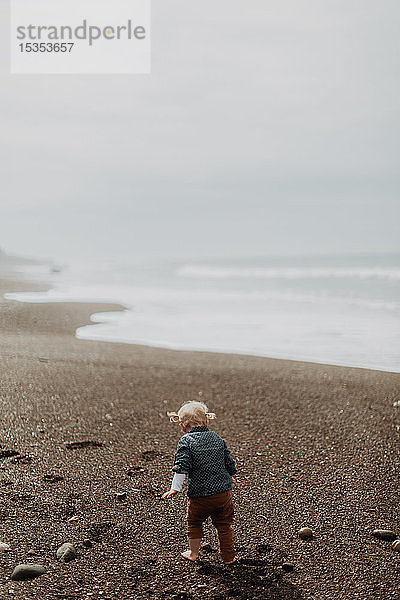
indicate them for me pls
(205, 457)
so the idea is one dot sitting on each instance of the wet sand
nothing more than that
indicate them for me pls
(315, 446)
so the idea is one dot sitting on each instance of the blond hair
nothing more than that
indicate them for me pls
(193, 414)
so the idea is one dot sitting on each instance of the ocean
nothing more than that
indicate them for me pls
(341, 310)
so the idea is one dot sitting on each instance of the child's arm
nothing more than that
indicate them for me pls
(182, 466)
(176, 485)
(230, 464)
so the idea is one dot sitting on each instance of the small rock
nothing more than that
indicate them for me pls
(396, 545)
(28, 571)
(66, 552)
(121, 496)
(31, 552)
(4, 547)
(87, 543)
(50, 478)
(84, 444)
(288, 567)
(73, 518)
(305, 533)
(384, 534)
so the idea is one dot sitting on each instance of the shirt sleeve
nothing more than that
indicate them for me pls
(183, 462)
(177, 481)
(229, 461)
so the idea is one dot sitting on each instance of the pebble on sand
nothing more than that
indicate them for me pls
(84, 444)
(66, 552)
(305, 533)
(87, 543)
(384, 534)
(121, 496)
(73, 518)
(28, 571)
(50, 478)
(288, 567)
(4, 547)
(396, 545)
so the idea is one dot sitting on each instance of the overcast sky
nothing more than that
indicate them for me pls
(267, 126)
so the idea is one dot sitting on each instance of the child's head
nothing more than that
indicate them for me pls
(192, 414)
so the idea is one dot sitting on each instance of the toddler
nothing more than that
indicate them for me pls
(204, 458)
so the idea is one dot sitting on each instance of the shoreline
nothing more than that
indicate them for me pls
(316, 445)
(115, 307)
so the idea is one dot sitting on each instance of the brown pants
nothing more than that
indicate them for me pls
(220, 508)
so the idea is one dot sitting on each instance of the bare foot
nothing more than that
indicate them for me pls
(188, 554)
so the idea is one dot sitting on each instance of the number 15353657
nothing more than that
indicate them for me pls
(46, 47)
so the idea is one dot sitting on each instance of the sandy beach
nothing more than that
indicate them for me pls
(315, 446)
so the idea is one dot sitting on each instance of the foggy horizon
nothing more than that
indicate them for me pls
(266, 131)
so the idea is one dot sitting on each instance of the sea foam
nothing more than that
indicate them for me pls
(335, 313)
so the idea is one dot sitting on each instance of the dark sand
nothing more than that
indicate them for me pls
(315, 445)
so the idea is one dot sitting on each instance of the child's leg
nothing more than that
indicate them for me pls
(222, 518)
(226, 544)
(195, 520)
(194, 548)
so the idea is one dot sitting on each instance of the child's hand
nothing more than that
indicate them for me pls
(169, 494)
